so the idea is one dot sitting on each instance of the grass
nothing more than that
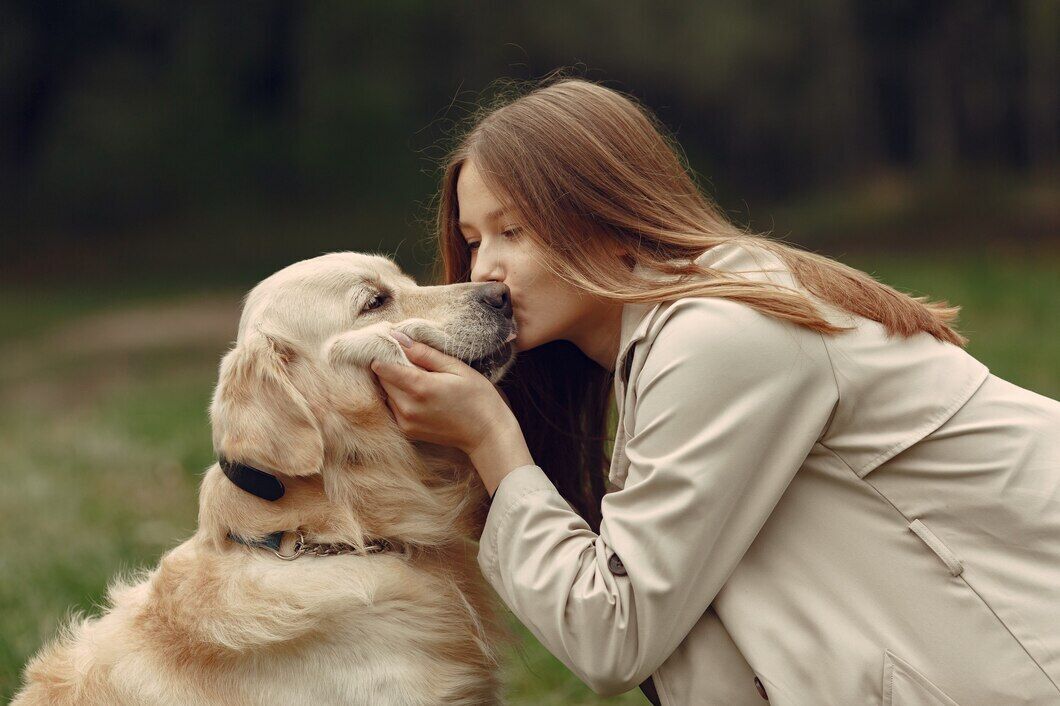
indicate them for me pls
(1009, 304)
(104, 441)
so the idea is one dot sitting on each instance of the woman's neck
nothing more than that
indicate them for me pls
(598, 333)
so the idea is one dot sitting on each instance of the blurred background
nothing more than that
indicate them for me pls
(157, 159)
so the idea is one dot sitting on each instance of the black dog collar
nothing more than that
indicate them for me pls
(254, 481)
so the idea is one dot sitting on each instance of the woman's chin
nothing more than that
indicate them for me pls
(528, 339)
(520, 343)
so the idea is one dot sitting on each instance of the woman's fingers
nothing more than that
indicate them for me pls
(392, 401)
(428, 404)
(433, 359)
(402, 377)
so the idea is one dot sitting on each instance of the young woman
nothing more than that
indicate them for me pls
(818, 496)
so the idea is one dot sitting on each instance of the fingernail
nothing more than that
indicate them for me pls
(401, 338)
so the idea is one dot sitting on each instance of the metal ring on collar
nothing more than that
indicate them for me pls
(299, 549)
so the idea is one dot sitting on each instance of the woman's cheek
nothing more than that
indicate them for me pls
(520, 337)
(523, 337)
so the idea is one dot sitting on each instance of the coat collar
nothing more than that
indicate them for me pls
(637, 317)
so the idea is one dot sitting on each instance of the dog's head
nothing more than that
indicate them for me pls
(296, 393)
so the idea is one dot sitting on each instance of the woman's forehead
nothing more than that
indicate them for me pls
(477, 205)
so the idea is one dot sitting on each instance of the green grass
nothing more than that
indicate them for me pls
(103, 446)
(1009, 304)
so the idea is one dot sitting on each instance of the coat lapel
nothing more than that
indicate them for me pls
(636, 320)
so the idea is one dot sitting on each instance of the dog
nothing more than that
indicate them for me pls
(333, 562)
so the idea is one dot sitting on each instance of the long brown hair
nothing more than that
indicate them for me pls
(583, 167)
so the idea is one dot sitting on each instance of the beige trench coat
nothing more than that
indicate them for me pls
(845, 519)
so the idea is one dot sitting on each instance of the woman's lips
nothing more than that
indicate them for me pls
(515, 330)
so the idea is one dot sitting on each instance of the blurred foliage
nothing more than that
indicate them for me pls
(129, 129)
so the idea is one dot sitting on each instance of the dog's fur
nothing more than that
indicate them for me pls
(222, 623)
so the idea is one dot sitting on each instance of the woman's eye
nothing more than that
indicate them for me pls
(377, 301)
(510, 232)
(473, 246)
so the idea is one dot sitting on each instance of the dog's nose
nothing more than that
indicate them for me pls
(496, 296)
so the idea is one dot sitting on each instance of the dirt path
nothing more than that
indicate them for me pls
(79, 354)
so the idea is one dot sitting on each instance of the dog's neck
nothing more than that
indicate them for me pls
(432, 500)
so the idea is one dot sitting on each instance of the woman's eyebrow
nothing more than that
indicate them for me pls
(490, 217)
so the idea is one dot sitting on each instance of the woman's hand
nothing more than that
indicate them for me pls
(445, 401)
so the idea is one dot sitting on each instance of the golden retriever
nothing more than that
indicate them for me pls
(333, 561)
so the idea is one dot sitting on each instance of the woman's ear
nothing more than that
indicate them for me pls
(259, 418)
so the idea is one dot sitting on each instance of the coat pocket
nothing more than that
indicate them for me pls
(948, 558)
(905, 686)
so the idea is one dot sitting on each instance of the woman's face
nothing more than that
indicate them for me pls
(545, 307)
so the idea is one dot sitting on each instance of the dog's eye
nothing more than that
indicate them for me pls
(377, 301)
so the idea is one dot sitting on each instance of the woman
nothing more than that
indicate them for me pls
(819, 497)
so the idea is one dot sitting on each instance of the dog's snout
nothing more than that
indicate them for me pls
(496, 296)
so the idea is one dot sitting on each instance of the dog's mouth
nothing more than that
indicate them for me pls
(492, 364)
(496, 359)
(491, 361)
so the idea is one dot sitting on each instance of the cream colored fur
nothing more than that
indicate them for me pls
(221, 623)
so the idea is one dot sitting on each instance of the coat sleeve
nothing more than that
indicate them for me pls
(727, 406)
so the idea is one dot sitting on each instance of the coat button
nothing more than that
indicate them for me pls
(616, 566)
(761, 689)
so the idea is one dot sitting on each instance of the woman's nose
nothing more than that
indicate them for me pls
(485, 269)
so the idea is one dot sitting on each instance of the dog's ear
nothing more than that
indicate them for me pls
(259, 418)
(361, 347)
